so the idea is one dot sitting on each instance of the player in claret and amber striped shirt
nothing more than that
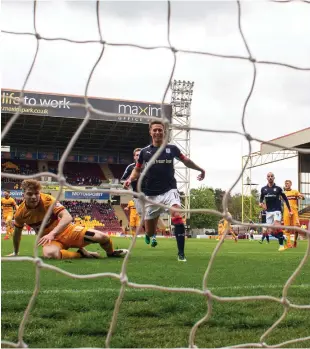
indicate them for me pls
(160, 184)
(7, 205)
(59, 234)
(292, 220)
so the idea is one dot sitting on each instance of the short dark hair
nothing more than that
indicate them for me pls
(7, 191)
(155, 122)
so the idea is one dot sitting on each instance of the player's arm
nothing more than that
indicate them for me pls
(284, 197)
(301, 196)
(189, 163)
(65, 219)
(18, 228)
(261, 199)
(126, 174)
(15, 205)
(17, 235)
(135, 174)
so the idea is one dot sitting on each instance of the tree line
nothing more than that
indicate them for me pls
(205, 197)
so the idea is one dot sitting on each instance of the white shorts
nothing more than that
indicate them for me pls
(170, 198)
(138, 206)
(271, 217)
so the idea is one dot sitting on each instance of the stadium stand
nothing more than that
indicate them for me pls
(23, 167)
(78, 208)
(94, 214)
(78, 173)
(117, 170)
(108, 143)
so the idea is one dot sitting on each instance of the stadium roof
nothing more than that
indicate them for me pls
(299, 139)
(49, 133)
(50, 120)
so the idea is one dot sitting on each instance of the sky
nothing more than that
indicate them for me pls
(280, 103)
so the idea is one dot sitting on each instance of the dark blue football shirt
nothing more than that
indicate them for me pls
(159, 178)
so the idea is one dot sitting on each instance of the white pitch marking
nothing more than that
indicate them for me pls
(263, 252)
(98, 290)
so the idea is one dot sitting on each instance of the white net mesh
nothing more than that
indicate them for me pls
(122, 277)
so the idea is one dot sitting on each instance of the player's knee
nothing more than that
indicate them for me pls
(177, 219)
(52, 253)
(102, 238)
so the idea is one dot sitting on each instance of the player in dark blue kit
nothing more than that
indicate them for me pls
(126, 175)
(272, 194)
(160, 184)
(262, 218)
(130, 168)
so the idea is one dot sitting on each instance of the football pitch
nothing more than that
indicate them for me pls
(73, 313)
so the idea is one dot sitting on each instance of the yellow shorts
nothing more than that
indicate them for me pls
(7, 217)
(72, 236)
(291, 220)
(134, 220)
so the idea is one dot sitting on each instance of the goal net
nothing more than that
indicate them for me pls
(124, 281)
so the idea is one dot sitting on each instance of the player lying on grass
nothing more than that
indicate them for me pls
(160, 184)
(60, 233)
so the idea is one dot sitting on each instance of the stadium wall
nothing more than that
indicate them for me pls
(71, 195)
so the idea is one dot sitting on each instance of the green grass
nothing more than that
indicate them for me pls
(71, 313)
